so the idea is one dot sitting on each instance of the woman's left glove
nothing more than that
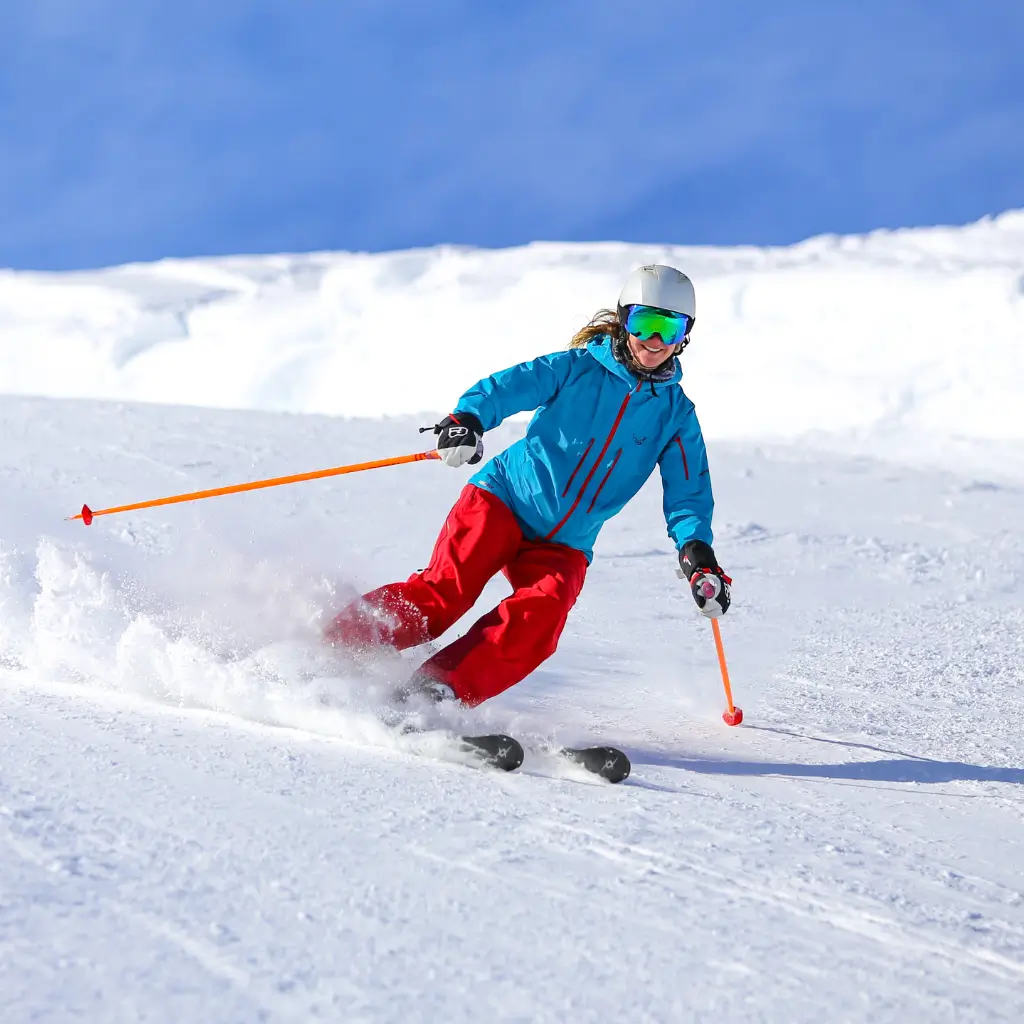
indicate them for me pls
(459, 440)
(711, 588)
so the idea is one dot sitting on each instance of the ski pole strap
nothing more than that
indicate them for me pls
(717, 571)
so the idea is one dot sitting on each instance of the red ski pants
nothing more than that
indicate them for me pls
(480, 538)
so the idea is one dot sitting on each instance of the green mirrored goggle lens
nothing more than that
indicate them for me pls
(645, 321)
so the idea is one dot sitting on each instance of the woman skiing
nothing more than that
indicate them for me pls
(609, 409)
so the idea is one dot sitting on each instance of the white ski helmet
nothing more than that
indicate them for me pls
(661, 286)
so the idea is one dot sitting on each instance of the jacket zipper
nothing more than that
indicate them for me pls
(600, 458)
(682, 451)
(600, 488)
(579, 466)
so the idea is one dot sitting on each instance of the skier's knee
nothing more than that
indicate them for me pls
(543, 626)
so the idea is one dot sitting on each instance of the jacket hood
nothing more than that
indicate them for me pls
(601, 349)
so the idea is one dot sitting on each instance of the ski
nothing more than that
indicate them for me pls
(496, 750)
(608, 762)
(505, 753)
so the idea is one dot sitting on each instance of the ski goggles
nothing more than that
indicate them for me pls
(644, 322)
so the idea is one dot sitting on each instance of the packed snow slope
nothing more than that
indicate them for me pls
(202, 815)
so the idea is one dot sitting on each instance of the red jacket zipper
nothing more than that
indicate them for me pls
(682, 451)
(600, 458)
(600, 487)
(579, 465)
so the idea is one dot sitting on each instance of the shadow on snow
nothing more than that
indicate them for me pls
(887, 770)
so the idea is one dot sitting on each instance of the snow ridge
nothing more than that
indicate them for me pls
(894, 335)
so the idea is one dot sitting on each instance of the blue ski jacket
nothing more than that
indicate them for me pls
(596, 437)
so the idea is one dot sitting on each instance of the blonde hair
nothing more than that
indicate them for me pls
(604, 321)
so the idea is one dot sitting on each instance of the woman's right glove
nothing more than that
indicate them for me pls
(459, 440)
(711, 588)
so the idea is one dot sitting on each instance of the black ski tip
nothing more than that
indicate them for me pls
(608, 762)
(497, 750)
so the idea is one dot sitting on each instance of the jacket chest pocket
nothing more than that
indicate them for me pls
(579, 466)
(604, 480)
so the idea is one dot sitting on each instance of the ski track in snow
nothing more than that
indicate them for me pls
(203, 818)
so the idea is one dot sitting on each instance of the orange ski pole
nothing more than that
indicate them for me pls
(87, 514)
(732, 714)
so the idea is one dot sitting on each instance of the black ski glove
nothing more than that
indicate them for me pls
(711, 588)
(459, 439)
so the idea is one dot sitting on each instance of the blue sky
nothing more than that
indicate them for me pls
(134, 129)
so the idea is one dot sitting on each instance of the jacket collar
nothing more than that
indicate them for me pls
(601, 349)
